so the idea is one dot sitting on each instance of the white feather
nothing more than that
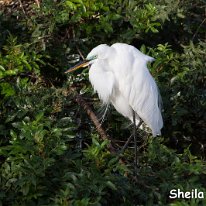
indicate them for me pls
(121, 77)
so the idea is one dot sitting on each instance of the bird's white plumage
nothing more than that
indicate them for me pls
(121, 77)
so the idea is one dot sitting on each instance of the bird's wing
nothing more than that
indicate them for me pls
(138, 86)
(102, 80)
(144, 98)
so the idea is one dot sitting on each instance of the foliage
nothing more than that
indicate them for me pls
(16, 61)
(50, 152)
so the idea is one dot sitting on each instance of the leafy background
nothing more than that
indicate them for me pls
(50, 151)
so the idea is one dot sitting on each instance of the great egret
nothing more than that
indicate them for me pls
(120, 76)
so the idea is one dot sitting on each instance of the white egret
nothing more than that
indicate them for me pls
(120, 76)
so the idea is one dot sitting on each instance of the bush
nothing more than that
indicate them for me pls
(50, 152)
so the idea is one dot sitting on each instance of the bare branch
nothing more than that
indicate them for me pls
(22, 7)
(79, 99)
(80, 53)
(198, 29)
(38, 3)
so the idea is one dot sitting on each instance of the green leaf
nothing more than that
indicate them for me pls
(2, 68)
(6, 89)
(111, 185)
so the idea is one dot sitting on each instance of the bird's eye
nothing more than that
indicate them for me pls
(94, 57)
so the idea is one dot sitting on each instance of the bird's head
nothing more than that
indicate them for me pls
(99, 52)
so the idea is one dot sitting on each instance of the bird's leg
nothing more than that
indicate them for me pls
(135, 140)
(134, 135)
(130, 138)
(126, 144)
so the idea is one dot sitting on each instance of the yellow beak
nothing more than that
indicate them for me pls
(84, 63)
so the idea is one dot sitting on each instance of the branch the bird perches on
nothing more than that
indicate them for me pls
(81, 102)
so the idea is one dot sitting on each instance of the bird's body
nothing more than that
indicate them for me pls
(120, 76)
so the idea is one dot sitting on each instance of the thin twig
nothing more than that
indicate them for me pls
(198, 29)
(80, 53)
(22, 7)
(38, 3)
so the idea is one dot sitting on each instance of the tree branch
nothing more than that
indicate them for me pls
(79, 99)
(22, 7)
(38, 3)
